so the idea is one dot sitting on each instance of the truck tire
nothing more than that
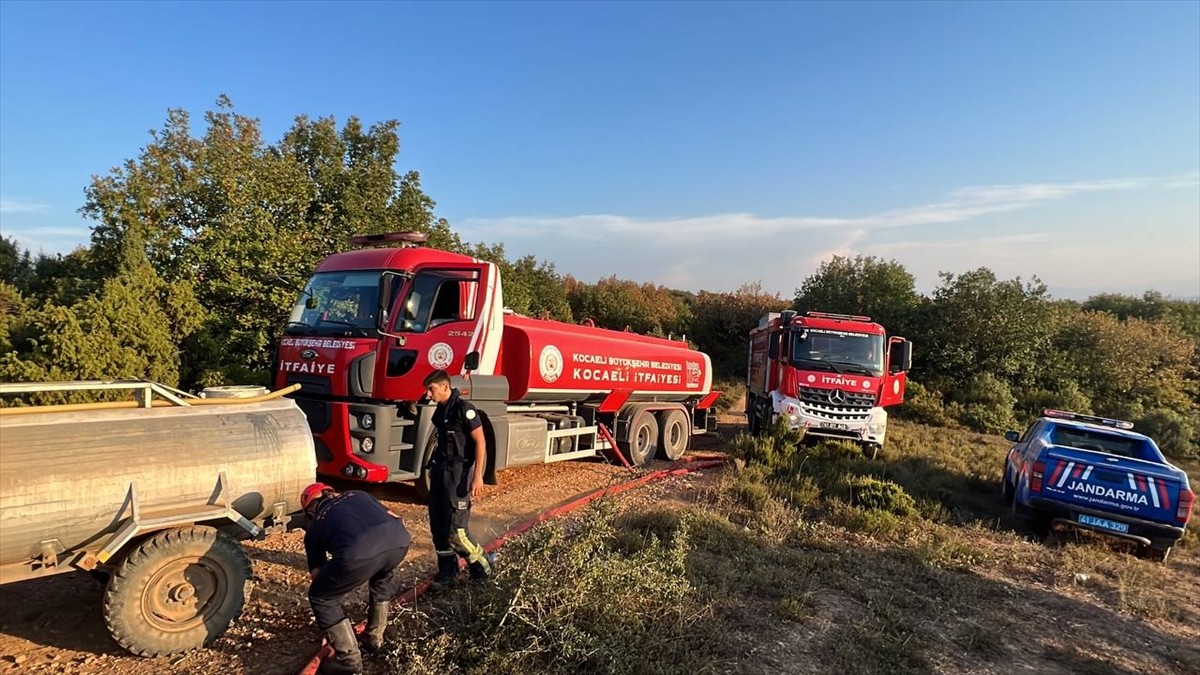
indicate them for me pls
(176, 591)
(643, 439)
(1155, 553)
(676, 432)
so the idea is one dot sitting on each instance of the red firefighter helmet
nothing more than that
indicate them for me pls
(312, 493)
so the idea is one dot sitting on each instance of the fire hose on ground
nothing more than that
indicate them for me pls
(681, 467)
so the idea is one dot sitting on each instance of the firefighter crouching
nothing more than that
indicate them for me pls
(456, 474)
(351, 539)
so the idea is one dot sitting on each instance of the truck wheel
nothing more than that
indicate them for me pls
(176, 591)
(870, 450)
(676, 432)
(1156, 554)
(1007, 491)
(643, 439)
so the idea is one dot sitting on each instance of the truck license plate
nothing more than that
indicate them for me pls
(833, 425)
(1103, 523)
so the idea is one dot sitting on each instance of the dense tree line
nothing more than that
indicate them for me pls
(200, 242)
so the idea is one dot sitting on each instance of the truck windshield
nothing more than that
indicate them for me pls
(837, 350)
(337, 303)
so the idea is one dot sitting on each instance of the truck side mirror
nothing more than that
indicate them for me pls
(900, 356)
(385, 299)
(471, 362)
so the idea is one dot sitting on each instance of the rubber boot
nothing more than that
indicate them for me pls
(346, 659)
(377, 615)
(447, 572)
(481, 569)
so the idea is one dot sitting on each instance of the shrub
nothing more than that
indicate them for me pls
(872, 493)
(987, 404)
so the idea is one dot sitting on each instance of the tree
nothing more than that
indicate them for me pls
(721, 324)
(130, 329)
(228, 214)
(979, 324)
(618, 304)
(883, 290)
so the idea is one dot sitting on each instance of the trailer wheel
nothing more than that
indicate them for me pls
(176, 591)
(675, 435)
(643, 439)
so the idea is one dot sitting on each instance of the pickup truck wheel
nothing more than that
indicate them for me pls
(1007, 491)
(643, 439)
(1155, 553)
(176, 591)
(1035, 522)
(675, 434)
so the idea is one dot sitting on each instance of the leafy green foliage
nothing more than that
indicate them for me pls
(881, 289)
(227, 213)
(619, 304)
(721, 324)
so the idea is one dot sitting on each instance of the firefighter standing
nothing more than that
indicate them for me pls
(456, 474)
(351, 539)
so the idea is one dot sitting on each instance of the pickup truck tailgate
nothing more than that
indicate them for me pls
(1120, 485)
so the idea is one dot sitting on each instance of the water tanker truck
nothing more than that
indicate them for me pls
(150, 495)
(371, 324)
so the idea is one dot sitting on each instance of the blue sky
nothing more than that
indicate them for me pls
(698, 145)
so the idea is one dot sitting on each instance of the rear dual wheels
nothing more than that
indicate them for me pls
(676, 432)
(643, 439)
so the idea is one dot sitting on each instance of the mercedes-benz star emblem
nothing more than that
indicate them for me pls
(836, 396)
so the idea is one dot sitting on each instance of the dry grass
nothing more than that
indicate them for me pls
(815, 559)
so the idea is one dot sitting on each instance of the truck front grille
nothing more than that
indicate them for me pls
(842, 406)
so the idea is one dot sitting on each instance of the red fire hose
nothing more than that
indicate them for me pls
(679, 468)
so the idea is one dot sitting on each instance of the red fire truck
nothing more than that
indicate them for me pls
(829, 374)
(372, 323)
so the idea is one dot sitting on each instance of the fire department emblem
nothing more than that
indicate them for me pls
(440, 355)
(866, 384)
(550, 364)
(811, 378)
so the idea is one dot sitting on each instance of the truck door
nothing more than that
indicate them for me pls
(434, 325)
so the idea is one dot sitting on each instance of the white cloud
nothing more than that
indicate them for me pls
(722, 251)
(19, 206)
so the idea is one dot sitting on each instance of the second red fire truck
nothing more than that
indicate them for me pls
(829, 374)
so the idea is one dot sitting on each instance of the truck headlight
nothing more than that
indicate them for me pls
(367, 421)
(368, 445)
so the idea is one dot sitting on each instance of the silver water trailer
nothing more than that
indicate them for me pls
(153, 494)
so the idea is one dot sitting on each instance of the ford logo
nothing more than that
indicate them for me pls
(308, 354)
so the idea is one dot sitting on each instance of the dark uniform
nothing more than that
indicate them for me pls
(366, 543)
(452, 469)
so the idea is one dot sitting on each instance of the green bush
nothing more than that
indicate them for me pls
(924, 405)
(732, 392)
(872, 493)
(1177, 434)
(987, 403)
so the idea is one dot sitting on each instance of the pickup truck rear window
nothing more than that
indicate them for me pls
(1097, 441)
